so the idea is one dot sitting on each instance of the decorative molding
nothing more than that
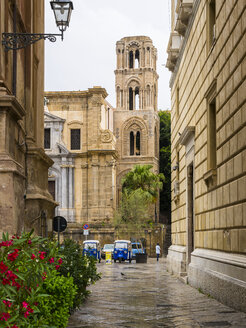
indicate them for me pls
(187, 34)
(75, 122)
(106, 136)
(187, 134)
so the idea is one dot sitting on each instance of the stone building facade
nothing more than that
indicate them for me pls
(206, 54)
(79, 139)
(24, 198)
(87, 180)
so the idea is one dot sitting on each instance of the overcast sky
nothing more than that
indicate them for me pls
(87, 56)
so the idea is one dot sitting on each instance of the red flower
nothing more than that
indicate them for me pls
(57, 267)
(12, 256)
(14, 326)
(6, 243)
(60, 261)
(4, 316)
(10, 275)
(3, 267)
(44, 276)
(7, 303)
(33, 257)
(25, 305)
(42, 255)
(16, 284)
(51, 260)
(29, 242)
(5, 281)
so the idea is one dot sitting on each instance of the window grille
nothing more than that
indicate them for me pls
(75, 139)
(46, 138)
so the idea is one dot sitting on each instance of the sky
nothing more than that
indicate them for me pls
(87, 57)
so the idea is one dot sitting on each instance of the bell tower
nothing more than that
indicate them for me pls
(136, 120)
(135, 76)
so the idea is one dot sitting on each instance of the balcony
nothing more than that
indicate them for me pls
(183, 10)
(173, 47)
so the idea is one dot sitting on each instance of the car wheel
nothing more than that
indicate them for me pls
(130, 260)
(114, 261)
(120, 260)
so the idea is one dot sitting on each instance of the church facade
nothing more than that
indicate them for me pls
(93, 145)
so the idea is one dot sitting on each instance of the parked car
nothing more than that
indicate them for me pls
(107, 248)
(137, 248)
(92, 248)
(122, 250)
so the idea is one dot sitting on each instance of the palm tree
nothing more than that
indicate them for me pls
(142, 178)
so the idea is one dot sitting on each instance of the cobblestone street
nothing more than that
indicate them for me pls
(147, 296)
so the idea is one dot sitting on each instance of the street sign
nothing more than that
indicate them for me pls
(86, 226)
(86, 232)
(59, 223)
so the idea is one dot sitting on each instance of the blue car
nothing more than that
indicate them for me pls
(122, 250)
(92, 248)
(137, 248)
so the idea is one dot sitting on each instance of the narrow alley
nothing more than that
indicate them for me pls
(147, 296)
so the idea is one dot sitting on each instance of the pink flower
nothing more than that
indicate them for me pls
(51, 260)
(33, 257)
(14, 326)
(25, 305)
(60, 261)
(3, 267)
(4, 316)
(29, 242)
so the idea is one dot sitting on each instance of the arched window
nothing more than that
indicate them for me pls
(131, 143)
(130, 99)
(137, 98)
(136, 59)
(131, 59)
(138, 143)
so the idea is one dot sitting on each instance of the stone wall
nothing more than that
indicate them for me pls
(208, 146)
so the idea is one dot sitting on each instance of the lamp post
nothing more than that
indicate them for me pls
(62, 10)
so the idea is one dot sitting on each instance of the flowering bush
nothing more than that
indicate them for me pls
(81, 268)
(26, 263)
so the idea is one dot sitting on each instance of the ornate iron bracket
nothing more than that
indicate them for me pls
(15, 41)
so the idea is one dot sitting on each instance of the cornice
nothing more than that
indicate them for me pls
(187, 34)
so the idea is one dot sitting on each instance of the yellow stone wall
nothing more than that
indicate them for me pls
(220, 211)
(94, 172)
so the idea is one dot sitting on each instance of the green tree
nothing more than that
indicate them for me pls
(140, 190)
(165, 161)
(141, 177)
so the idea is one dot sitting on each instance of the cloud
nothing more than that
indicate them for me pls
(87, 55)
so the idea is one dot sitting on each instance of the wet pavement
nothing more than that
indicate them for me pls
(147, 296)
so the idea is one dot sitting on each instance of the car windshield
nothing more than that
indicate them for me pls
(120, 245)
(108, 246)
(90, 246)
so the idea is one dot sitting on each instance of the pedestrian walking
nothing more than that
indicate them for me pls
(158, 251)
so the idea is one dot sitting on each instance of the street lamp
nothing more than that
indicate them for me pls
(62, 11)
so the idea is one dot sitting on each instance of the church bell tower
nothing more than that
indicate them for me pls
(136, 120)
